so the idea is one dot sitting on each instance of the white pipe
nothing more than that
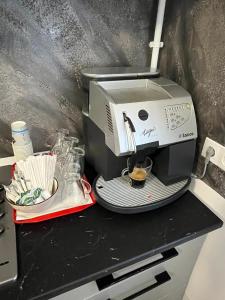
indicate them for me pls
(156, 44)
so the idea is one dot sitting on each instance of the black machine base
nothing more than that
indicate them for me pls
(117, 195)
(171, 164)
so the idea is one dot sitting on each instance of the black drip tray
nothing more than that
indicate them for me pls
(117, 195)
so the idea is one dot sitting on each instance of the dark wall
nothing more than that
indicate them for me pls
(194, 56)
(43, 46)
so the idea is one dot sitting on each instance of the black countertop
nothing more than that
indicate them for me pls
(60, 254)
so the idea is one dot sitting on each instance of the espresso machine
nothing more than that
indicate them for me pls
(139, 117)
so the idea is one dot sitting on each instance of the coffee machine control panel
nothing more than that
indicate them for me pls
(177, 115)
(140, 112)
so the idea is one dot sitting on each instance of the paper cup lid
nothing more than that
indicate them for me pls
(18, 126)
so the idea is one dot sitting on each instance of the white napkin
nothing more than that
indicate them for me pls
(58, 205)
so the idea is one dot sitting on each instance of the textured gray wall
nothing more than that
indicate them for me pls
(194, 56)
(43, 46)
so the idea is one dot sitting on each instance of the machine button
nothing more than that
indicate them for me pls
(143, 115)
(2, 213)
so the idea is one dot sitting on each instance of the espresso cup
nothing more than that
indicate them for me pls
(138, 177)
(140, 172)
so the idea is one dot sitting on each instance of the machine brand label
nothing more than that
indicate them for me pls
(148, 132)
(186, 134)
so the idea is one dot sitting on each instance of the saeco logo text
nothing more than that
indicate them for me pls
(186, 134)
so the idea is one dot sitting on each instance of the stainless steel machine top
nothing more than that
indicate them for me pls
(158, 110)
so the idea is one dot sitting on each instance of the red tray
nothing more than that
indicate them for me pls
(54, 214)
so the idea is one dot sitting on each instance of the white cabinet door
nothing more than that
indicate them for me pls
(80, 293)
(136, 286)
(162, 277)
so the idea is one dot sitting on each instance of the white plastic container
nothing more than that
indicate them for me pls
(20, 133)
(22, 152)
(22, 144)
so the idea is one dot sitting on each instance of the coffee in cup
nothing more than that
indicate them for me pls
(138, 173)
(138, 177)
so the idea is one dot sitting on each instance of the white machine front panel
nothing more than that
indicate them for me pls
(168, 121)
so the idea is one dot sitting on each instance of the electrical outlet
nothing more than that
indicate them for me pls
(219, 158)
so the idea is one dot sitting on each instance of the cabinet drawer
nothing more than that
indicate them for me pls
(178, 263)
(146, 276)
(145, 281)
(179, 269)
(148, 289)
(82, 292)
(161, 277)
